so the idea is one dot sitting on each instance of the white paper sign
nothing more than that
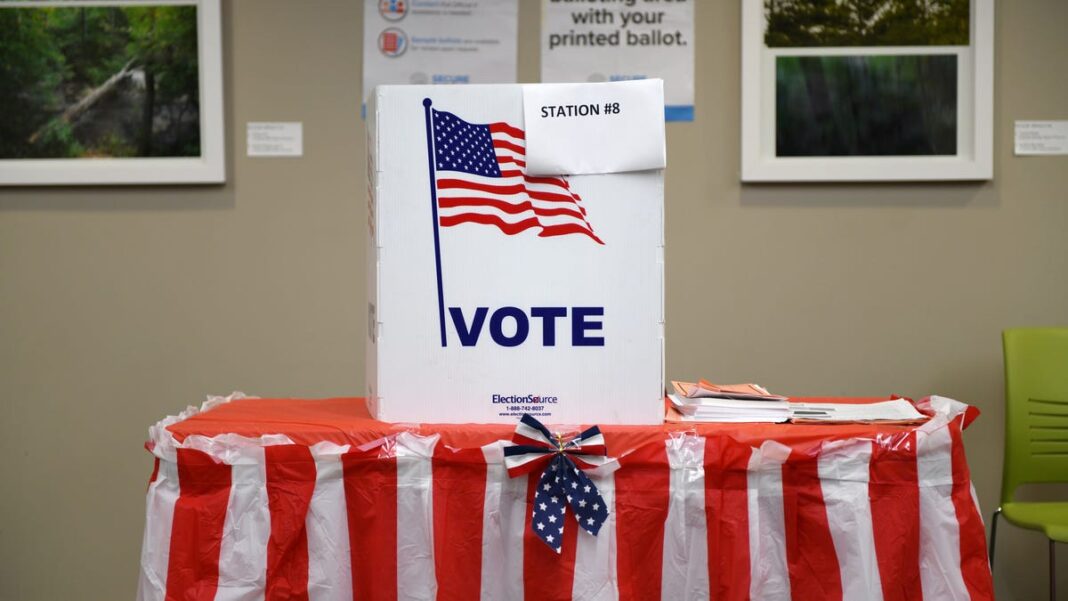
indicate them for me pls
(1041, 137)
(275, 139)
(590, 128)
(619, 41)
(435, 42)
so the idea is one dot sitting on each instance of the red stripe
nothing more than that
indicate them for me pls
(459, 495)
(583, 464)
(547, 575)
(290, 485)
(585, 448)
(973, 558)
(531, 179)
(642, 489)
(504, 128)
(155, 471)
(571, 200)
(568, 228)
(505, 160)
(498, 143)
(597, 450)
(514, 228)
(371, 502)
(894, 491)
(523, 439)
(453, 184)
(512, 208)
(810, 555)
(555, 181)
(508, 228)
(727, 516)
(197, 529)
(536, 195)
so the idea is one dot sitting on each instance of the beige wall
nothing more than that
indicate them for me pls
(120, 305)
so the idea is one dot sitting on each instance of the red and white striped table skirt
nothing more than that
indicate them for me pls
(692, 515)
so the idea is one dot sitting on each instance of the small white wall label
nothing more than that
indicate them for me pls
(275, 139)
(1041, 138)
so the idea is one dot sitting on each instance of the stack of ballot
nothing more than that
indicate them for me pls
(895, 411)
(708, 402)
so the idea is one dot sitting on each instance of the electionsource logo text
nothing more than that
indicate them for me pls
(518, 398)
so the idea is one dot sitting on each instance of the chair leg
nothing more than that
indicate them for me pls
(993, 536)
(1052, 571)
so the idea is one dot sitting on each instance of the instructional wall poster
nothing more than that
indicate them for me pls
(618, 40)
(438, 42)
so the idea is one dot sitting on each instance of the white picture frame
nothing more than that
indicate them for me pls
(975, 89)
(208, 168)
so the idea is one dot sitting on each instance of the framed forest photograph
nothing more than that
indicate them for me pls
(867, 90)
(111, 92)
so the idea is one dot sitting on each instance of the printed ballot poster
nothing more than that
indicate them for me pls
(438, 42)
(619, 40)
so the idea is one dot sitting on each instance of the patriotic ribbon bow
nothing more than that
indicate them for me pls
(563, 482)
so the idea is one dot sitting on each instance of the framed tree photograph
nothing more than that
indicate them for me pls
(111, 92)
(867, 90)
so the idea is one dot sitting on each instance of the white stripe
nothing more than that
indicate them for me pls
(770, 575)
(753, 513)
(515, 461)
(502, 152)
(597, 461)
(595, 556)
(519, 161)
(975, 501)
(329, 556)
(243, 553)
(156, 546)
(504, 518)
(685, 561)
(532, 433)
(596, 439)
(507, 137)
(940, 571)
(843, 470)
(415, 521)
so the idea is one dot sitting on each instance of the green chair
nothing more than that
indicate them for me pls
(1036, 432)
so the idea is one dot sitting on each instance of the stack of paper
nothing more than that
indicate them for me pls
(730, 410)
(896, 411)
(707, 390)
(708, 402)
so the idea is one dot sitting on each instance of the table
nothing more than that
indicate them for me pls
(313, 499)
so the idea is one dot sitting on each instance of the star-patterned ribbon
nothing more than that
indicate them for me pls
(563, 482)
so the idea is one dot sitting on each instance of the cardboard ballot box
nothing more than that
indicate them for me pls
(498, 287)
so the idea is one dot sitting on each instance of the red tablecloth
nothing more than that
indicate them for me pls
(313, 499)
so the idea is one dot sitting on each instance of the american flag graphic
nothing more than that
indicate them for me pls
(481, 178)
(307, 508)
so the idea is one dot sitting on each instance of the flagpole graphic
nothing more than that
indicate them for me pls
(434, 212)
